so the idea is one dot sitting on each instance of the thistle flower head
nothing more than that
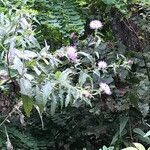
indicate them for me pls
(130, 62)
(105, 88)
(102, 65)
(72, 53)
(95, 24)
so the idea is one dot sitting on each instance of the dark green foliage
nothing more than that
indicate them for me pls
(58, 20)
(58, 113)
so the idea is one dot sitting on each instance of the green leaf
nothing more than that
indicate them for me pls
(96, 71)
(133, 99)
(39, 99)
(47, 88)
(109, 2)
(61, 96)
(82, 78)
(18, 65)
(123, 122)
(108, 79)
(27, 104)
(68, 98)
(53, 104)
(42, 68)
(139, 131)
(64, 78)
(147, 134)
(141, 135)
(38, 72)
(28, 76)
(25, 87)
(87, 55)
(57, 75)
(144, 108)
(34, 41)
(115, 138)
(40, 114)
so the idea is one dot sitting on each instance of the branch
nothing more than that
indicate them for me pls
(16, 108)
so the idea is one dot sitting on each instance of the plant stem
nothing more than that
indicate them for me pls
(15, 109)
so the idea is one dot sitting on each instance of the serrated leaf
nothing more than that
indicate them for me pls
(47, 88)
(25, 87)
(82, 78)
(18, 65)
(34, 41)
(64, 77)
(39, 99)
(68, 98)
(87, 55)
(26, 54)
(42, 68)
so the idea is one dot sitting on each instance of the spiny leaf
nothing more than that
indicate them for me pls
(25, 87)
(82, 78)
(18, 65)
(47, 88)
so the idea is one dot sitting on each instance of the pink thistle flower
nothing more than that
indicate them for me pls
(72, 53)
(105, 88)
(87, 94)
(95, 24)
(102, 65)
(130, 62)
